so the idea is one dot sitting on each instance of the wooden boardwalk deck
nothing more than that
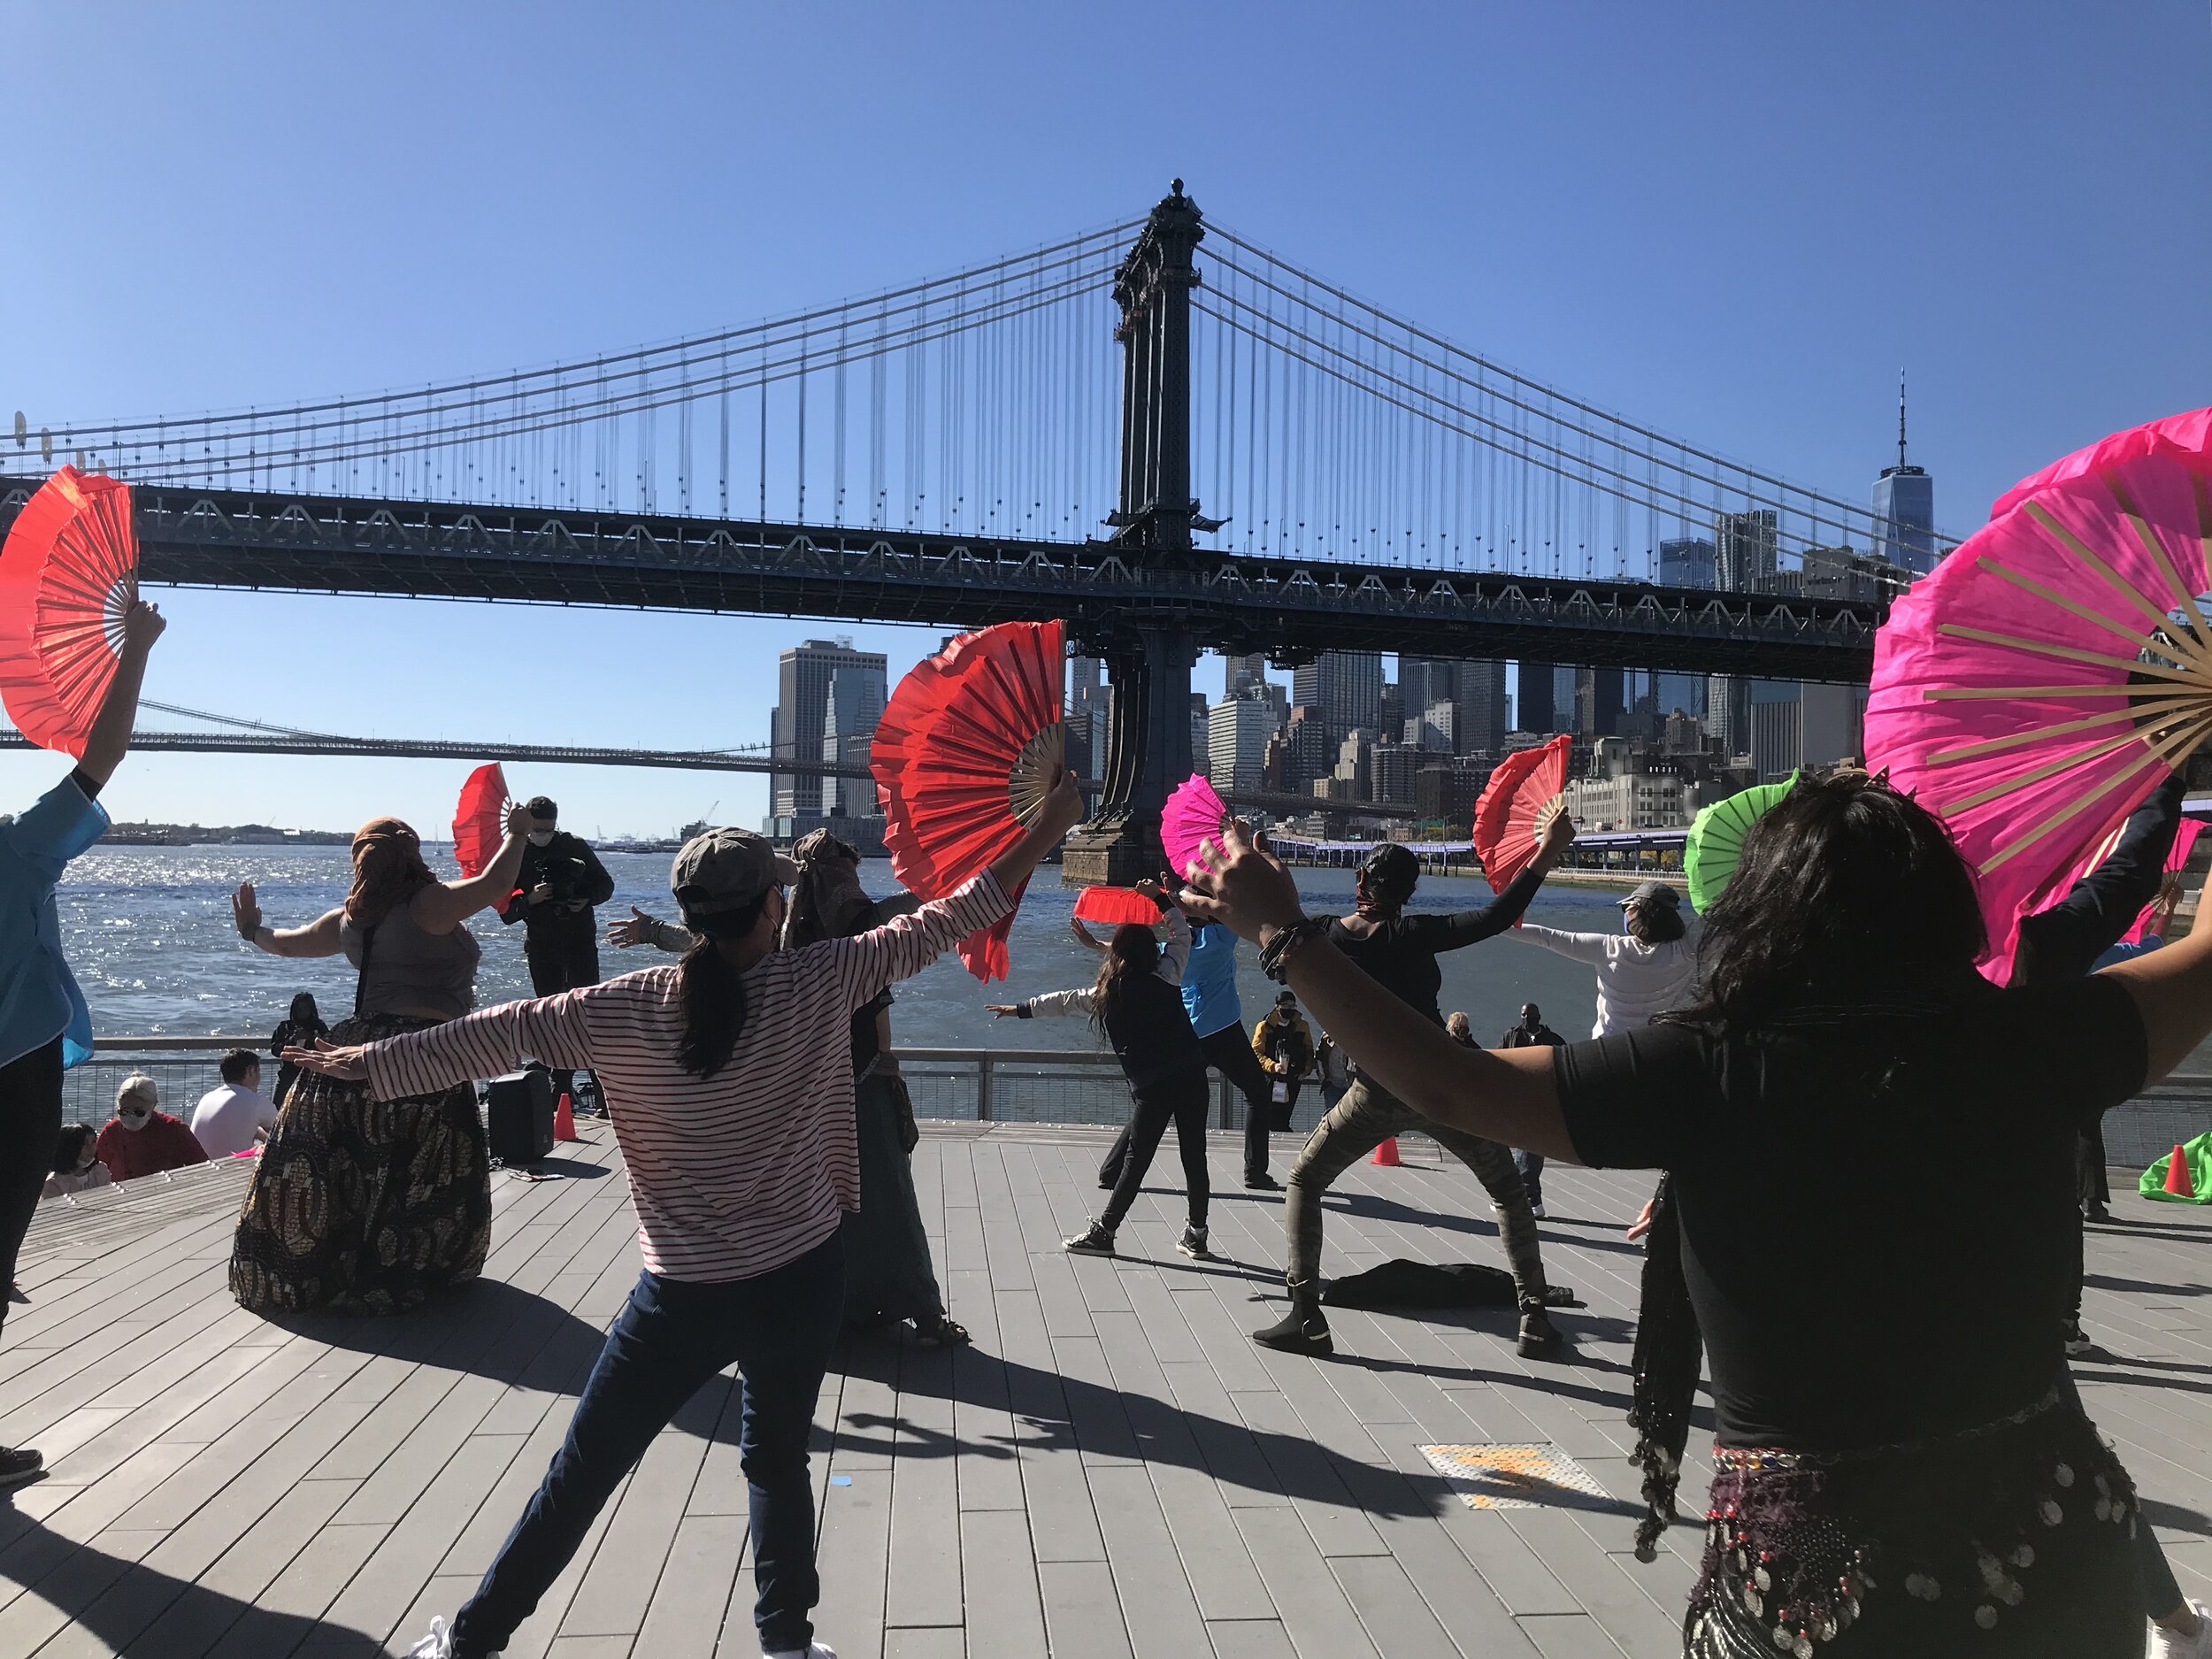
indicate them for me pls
(1113, 1471)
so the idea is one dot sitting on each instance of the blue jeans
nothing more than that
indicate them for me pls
(1531, 1165)
(779, 1329)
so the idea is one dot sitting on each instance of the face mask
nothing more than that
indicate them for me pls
(1627, 925)
(134, 1123)
(541, 838)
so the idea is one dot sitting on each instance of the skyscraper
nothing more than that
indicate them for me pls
(1238, 673)
(1480, 727)
(1904, 507)
(1346, 686)
(849, 713)
(1537, 712)
(1743, 551)
(797, 723)
(1237, 734)
(1688, 562)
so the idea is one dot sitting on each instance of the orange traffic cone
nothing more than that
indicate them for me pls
(564, 1120)
(2178, 1181)
(1386, 1154)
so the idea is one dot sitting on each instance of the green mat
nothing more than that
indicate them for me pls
(2199, 1156)
(1716, 837)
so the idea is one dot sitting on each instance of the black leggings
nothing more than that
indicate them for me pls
(1229, 1054)
(30, 1129)
(1183, 1099)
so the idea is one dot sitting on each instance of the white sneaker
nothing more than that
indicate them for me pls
(2166, 1644)
(815, 1650)
(437, 1644)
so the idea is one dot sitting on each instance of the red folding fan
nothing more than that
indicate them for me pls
(1518, 806)
(67, 575)
(479, 824)
(1115, 907)
(968, 749)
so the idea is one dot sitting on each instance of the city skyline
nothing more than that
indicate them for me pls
(1784, 353)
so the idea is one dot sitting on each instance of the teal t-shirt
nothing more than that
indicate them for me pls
(39, 998)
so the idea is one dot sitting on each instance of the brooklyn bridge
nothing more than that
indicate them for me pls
(1171, 449)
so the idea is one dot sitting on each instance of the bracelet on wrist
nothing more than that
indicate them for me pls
(1275, 954)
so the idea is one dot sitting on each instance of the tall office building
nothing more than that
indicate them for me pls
(1346, 686)
(796, 726)
(1240, 673)
(849, 714)
(1237, 734)
(1424, 680)
(1537, 709)
(1598, 693)
(1481, 724)
(1688, 562)
(1904, 507)
(1777, 710)
(1743, 551)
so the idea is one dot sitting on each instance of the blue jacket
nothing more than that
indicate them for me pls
(39, 998)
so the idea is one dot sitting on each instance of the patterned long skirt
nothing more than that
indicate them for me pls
(362, 1206)
(888, 1270)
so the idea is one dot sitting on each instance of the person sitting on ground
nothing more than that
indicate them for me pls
(1283, 1043)
(1400, 950)
(1531, 1033)
(1904, 1468)
(729, 1082)
(77, 1166)
(1137, 1005)
(301, 1027)
(142, 1140)
(1646, 969)
(238, 1114)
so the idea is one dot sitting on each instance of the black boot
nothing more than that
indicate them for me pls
(1302, 1330)
(1540, 1337)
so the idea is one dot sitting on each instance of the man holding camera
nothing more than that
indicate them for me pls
(560, 882)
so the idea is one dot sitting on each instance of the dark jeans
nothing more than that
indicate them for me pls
(779, 1329)
(1180, 1099)
(563, 968)
(1282, 1108)
(30, 1129)
(1227, 1052)
(1531, 1165)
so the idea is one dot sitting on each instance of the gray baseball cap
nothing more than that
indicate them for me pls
(1652, 892)
(725, 869)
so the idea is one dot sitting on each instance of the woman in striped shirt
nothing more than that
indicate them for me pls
(729, 1082)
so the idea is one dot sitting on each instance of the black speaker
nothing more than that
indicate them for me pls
(521, 1117)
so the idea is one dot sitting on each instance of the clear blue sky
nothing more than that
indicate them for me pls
(1732, 220)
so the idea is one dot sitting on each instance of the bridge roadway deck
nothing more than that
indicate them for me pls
(1112, 1471)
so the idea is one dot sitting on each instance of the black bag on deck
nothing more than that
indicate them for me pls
(521, 1117)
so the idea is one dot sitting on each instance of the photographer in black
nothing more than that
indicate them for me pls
(560, 881)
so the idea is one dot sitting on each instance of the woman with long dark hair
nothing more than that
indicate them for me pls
(1903, 1467)
(1136, 1004)
(729, 1081)
(358, 1207)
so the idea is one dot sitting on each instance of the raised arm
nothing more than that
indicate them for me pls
(638, 928)
(1174, 944)
(109, 738)
(2061, 941)
(1085, 937)
(1047, 1005)
(1468, 927)
(1502, 1096)
(479, 1045)
(1589, 947)
(2172, 990)
(440, 909)
(319, 938)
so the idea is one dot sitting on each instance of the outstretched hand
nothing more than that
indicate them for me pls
(1241, 886)
(1559, 834)
(1001, 1010)
(143, 624)
(1064, 807)
(518, 820)
(637, 928)
(349, 1063)
(245, 912)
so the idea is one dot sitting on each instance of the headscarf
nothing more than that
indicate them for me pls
(387, 870)
(826, 901)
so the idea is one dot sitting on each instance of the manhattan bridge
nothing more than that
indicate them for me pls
(1159, 431)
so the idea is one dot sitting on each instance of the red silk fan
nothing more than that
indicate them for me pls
(1518, 806)
(479, 824)
(967, 749)
(1115, 907)
(69, 573)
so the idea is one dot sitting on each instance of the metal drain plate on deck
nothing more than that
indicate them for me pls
(1514, 1476)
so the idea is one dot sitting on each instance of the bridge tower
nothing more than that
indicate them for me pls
(1150, 653)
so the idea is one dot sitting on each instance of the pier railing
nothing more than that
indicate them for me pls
(1039, 1086)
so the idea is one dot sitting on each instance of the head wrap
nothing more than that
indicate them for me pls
(828, 901)
(387, 870)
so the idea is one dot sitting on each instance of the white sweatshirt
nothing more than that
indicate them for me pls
(1637, 982)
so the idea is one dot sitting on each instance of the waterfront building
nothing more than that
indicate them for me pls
(1390, 772)
(796, 725)
(1237, 733)
(1904, 507)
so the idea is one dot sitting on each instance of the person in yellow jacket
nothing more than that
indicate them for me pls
(1284, 1044)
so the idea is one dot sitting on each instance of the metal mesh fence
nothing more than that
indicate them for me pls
(88, 1091)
